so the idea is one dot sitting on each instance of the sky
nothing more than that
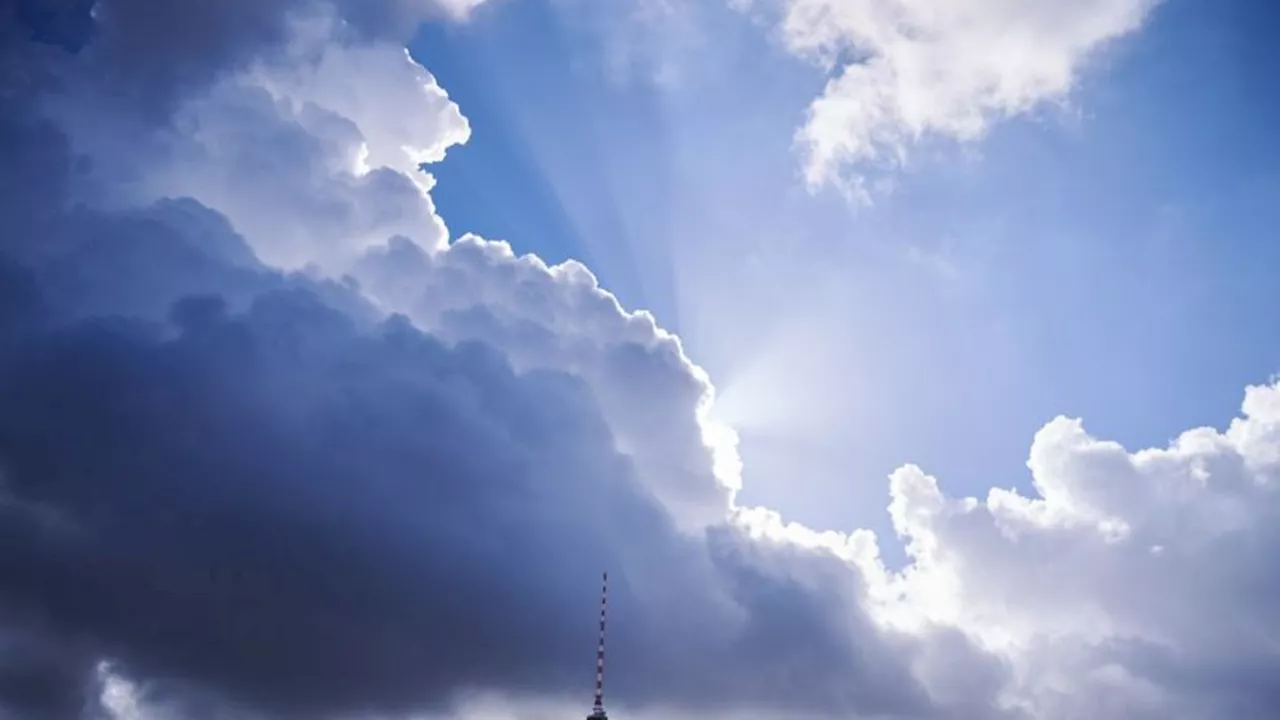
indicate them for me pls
(1077, 260)
(898, 359)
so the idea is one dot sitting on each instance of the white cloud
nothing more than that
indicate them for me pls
(314, 155)
(312, 150)
(559, 318)
(906, 69)
(1138, 584)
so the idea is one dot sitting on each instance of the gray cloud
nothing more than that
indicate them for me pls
(304, 516)
(246, 488)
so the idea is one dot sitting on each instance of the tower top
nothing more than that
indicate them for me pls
(597, 707)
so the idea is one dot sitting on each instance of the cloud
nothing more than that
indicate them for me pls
(655, 399)
(311, 150)
(904, 70)
(340, 154)
(1138, 584)
(273, 445)
(236, 483)
(308, 517)
(289, 511)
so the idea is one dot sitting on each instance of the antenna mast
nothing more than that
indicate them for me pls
(597, 708)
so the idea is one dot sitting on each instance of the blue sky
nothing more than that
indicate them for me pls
(1110, 259)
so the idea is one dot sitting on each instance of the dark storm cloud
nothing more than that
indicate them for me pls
(311, 519)
(243, 487)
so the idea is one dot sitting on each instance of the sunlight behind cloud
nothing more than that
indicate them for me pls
(779, 385)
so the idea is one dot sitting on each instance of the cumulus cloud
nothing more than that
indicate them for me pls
(290, 511)
(341, 155)
(655, 399)
(273, 445)
(1137, 584)
(306, 516)
(237, 481)
(907, 69)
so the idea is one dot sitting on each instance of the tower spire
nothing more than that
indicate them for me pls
(597, 708)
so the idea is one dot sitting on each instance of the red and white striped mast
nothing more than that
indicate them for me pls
(597, 708)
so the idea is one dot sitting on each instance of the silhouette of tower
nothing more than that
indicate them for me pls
(597, 708)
